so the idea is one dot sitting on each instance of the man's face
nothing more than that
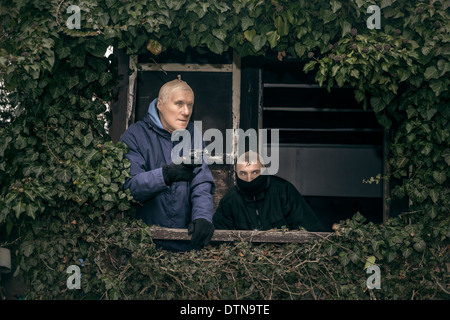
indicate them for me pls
(247, 171)
(176, 110)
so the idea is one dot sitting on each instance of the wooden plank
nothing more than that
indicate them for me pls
(236, 99)
(194, 67)
(131, 98)
(271, 236)
(118, 106)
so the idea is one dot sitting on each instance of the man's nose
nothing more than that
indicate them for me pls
(185, 110)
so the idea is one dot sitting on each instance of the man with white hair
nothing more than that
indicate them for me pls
(172, 195)
(262, 202)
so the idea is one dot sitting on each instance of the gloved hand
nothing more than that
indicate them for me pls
(177, 172)
(192, 165)
(202, 231)
(193, 160)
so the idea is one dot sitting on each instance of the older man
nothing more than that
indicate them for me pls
(263, 202)
(172, 195)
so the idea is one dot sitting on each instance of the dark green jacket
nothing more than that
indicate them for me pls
(279, 205)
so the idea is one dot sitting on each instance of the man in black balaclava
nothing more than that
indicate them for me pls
(262, 202)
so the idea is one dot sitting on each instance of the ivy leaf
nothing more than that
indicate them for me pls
(62, 51)
(49, 61)
(64, 176)
(335, 5)
(370, 261)
(72, 82)
(355, 74)
(103, 22)
(430, 113)
(104, 178)
(327, 16)
(299, 49)
(354, 257)
(434, 195)
(77, 60)
(104, 78)
(309, 66)
(27, 248)
(272, 37)
(109, 197)
(446, 156)
(57, 90)
(359, 95)
(346, 27)
(219, 34)
(334, 70)
(31, 210)
(124, 206)
(377, 103)
(247, 22)
(87, 139)
(437, 86)
(91, 76)
(331, 250)
(385, 3)
(249, 34)
(343, 258)
(420, 245)
(259, 41)
(391, 256)
(384, 120)
(4, 143)
(431, 73)
(19, 208)
(282, 26)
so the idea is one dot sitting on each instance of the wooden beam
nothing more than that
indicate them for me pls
(236, 99)
(186, 67)
(118, 106)
(131, 98)
(271, 236)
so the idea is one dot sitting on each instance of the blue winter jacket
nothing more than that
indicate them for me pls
(173, 206)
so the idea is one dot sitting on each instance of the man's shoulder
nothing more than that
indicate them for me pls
(278, 181)
(134, 131)
(230, 196)
(282, 184)
(137, 126)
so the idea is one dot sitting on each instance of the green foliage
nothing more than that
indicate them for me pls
(61, 192)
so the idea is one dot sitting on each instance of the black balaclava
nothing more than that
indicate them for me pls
(254, 187)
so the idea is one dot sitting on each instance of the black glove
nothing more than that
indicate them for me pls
(193, 161)
(177, 172)
(202, 232)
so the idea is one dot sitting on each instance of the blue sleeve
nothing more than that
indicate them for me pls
(202, 190)
(143, 184)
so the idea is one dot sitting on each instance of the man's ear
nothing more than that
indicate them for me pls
(159, 104)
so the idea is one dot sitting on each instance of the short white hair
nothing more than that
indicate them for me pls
(250, 157)
(167, 89)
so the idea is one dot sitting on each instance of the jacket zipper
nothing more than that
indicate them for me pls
(259, 226)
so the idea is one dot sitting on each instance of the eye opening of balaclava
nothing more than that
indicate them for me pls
(254, 187)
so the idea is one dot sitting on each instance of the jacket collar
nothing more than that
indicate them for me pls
(259, 196)
(151, 118)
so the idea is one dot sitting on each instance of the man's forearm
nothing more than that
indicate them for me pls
(202, 202)
(146, 185)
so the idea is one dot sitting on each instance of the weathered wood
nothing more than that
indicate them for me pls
(272, 236)
(118, 106)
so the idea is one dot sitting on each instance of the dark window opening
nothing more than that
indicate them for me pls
(328, 143)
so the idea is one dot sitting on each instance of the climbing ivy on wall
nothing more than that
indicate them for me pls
(61, 194)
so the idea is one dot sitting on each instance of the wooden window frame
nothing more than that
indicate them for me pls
(254, 236)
